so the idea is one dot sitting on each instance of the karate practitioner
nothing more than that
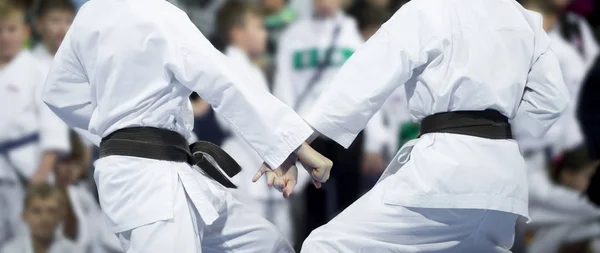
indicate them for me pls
(241, 27)
(462, 185)
(554, 208)
(127, 92)
(44, 205)
(52, 20)
(31, 136)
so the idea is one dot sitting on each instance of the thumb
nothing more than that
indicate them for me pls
(264, 168)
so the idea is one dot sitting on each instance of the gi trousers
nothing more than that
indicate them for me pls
(370, 225)
(141, 187)
(343, 187)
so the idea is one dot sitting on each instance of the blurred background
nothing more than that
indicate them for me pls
(291, 48)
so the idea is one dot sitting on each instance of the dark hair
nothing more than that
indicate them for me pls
(372, 17)
(42, 7)
(570, 160)
(44, 191)
(9, 6)
(233, 14)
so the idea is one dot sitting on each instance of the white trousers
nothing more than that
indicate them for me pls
(370, 225)
(236, 230)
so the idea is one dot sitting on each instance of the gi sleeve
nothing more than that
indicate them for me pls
(375, 134)
(273, 129)
(54, 134)
(546, 95)
(372, 73)
(67, 90)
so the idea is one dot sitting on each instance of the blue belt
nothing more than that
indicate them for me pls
(7, 146)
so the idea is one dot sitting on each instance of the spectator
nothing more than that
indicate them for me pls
(310, 52)
(201, 13)
(31, 136)
(206, 127)
(370, 19)
(52, 20)
(568, 222)
(43, 210)
(278, 18)
(83, 222)
(379, 143)
(241, 26)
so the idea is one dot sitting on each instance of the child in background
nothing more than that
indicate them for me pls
(31, 136)
(311, 52)
(241, 27)
(277, 18)
(565, 223)
(43, 212)
(83, 218)
(52, 20)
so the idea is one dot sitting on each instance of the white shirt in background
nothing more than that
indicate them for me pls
(23, 244)
(24, 112)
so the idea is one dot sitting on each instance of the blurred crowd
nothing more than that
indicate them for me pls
(291, 48)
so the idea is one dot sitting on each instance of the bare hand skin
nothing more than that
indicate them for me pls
(285, 177)
(318, 166)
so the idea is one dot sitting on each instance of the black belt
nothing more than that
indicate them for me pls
(489, 124)
(162, 144)
(7, 146)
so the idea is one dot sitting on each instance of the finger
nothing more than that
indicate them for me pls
(317, 184)
(270, 178)
(279, 184)
(289, 187)
(259, 173)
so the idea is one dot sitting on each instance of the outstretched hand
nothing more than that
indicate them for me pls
(285, 177)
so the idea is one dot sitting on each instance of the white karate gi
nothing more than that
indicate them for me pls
(443, 192)
(102, 82)
(23, 113)
(43, 55)
(382, 130)
(23, 244)
(262, 199)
